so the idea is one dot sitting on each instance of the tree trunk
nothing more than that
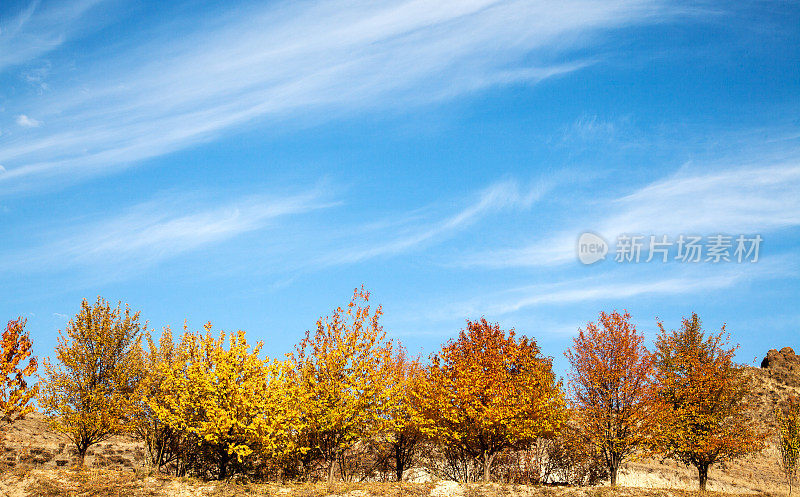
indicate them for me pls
(398, 459)
(82, 447)
(702, 474)
(330, 470)
(223, 464)
(487, 466)
(613, 461)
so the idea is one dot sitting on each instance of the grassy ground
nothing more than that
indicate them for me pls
(114, 483)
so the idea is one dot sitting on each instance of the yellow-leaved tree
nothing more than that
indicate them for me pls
(488, 391)
(403, 435)
(15, 394)
(230, 401)
(162, 442)
(88, 392)
(339, 371)
(788, 428)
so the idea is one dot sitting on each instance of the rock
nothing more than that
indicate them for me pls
(776, 359)
(773, 356)
(784, 366)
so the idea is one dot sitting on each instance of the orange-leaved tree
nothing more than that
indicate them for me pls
(610, 386)
(15, 394)
(488, 391)
(88, 394)
(704, 417)
(339, 370)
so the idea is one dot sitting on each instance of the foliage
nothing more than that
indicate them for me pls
(390, 451)
(610, 383)
(404, 435)
(164, 444)
(704, 418)
(339, 371)
(15, 394)
(788, 427)
(221, 393)
(88, 393)
(349, 397)
(488, 391)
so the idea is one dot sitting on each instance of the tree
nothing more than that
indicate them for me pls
(488, 391)
(610, 383)
(404, 435)
(88, 392)
(15, 394)
(339, 371)
(226, 397)
(704, 418)
(788, 428)
(162, 442)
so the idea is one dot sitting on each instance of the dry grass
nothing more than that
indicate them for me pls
(115, 483)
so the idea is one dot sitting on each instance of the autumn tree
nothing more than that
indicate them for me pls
(788, 428)
(163, 443)
(704, 418)
(488, 391)
(15, 394)
(403, 436)
(219, 391)
(610, 386)
(339, 369)
(88, 392)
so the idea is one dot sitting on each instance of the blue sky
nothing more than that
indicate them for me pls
(250, 163)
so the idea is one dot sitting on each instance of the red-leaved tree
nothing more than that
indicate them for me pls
(610, 386)
(15, 394)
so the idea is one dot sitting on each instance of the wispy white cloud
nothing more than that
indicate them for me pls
(497, 197)
(38, 29)
(622, 290)
(169, 92)
(744, 200)
(748, 199)
(170, 225)
(28, 122)
(593, 291)
(157, 230)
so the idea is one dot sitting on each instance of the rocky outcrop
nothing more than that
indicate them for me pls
(783, 365)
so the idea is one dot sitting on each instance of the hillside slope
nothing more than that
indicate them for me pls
(774, 383)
